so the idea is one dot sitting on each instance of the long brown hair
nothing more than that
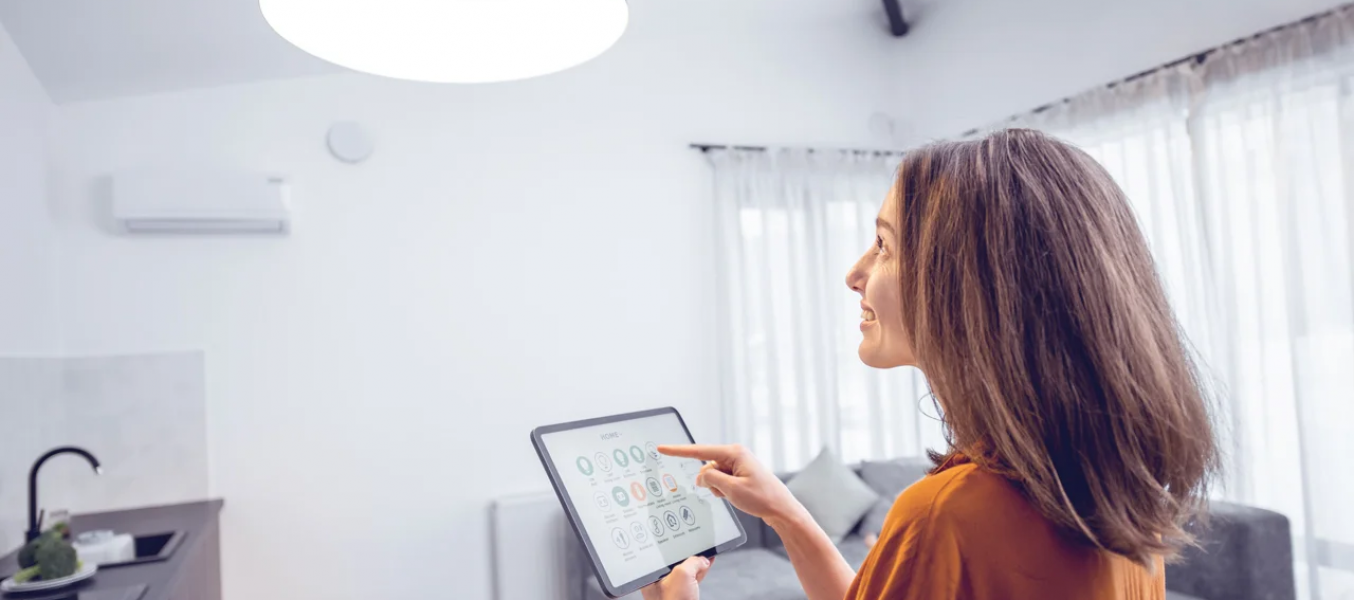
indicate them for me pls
(1036, 313)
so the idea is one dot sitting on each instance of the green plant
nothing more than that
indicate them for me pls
(57, 559)
(28, 555)
(26, 575)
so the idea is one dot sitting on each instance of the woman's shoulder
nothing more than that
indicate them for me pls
(962, 495)
(957, 480)
(965, 527)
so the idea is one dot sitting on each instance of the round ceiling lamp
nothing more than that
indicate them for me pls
(451, 41)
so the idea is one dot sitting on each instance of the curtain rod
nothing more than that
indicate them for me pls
(708, 147)
(1196, 59)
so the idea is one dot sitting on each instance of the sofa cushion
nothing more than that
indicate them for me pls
(853, 549)
(753, 526)
(890, 477)
(874, 520)
(1178, 596)
(1243, 553)
(833, 494)
(753, 574)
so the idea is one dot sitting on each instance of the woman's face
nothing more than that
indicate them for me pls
(884, 343)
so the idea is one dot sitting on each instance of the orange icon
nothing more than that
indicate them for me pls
(637, 491)
(670, 482)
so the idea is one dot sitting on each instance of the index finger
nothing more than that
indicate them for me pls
(701, 451)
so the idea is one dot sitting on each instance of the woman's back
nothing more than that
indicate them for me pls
(966, 533)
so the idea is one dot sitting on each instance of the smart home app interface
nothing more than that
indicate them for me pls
(641, 509)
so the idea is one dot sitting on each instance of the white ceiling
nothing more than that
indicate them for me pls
(87, 49)
(95, 49)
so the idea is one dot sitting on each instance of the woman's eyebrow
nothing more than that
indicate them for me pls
(882, 224)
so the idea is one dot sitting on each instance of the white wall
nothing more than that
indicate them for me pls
(142, 416)
(27, 243)
(512, 255)
(969, 63)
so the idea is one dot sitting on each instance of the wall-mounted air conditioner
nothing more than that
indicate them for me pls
(187, 202)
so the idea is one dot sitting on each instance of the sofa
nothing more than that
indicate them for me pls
(1245, 553)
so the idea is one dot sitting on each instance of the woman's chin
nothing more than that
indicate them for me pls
(875, 357)
(871, 357)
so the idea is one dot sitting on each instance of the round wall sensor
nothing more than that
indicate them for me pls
(350, 143)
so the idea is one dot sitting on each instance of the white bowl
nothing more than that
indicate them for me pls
(86, 571)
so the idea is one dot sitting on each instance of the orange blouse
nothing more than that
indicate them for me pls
(966, 533)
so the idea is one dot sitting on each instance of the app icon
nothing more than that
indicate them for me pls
(637, 454)
(584, 465)
(655, 490)
(652, 448)
(655, 526)
(618, 536)
(602, 461)
(670, 482)
(688, 515)
(637, 530)
(620, 496)
(621, 459)
(671, 519)
(637, 491)
(602, 501)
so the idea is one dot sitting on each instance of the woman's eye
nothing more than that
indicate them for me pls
(879, 245)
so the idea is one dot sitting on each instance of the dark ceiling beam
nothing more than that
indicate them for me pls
(897, 24)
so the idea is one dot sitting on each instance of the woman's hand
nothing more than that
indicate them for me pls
(682, 583)
(733, 472)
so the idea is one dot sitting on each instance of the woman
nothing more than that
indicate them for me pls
(1010, 270)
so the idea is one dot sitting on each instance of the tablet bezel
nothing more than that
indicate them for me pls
(608, 587)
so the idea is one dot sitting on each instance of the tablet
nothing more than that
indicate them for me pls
(638, 512)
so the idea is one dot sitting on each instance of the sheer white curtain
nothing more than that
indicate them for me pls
(1241, 170)
(790, 225)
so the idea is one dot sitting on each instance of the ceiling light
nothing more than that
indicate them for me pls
(452, 41)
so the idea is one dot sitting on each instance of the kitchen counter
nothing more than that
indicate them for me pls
(193, 572)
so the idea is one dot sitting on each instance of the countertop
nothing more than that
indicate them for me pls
(198, 521)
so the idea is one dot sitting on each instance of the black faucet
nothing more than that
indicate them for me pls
(33, 525)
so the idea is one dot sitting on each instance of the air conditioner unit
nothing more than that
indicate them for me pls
(189, 202)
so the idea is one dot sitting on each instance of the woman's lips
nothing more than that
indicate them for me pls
(867, 318)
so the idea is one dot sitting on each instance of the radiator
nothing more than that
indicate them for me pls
(529, 536)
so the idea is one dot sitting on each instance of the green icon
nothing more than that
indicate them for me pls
(620, 496)
(584, 465)
(637, 454)
(621, 458)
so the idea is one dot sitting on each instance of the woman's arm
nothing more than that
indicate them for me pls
(822, 570)
(733, 472)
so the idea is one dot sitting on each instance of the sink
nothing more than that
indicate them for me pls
(154, 547)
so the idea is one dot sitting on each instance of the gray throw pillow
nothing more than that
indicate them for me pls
(889, 477)
(874, 520)
(833, 494)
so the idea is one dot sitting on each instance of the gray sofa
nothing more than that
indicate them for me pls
(1245, 553)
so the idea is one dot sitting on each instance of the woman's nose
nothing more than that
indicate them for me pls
(855, 278)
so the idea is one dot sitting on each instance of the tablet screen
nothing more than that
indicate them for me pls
(640, 509)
